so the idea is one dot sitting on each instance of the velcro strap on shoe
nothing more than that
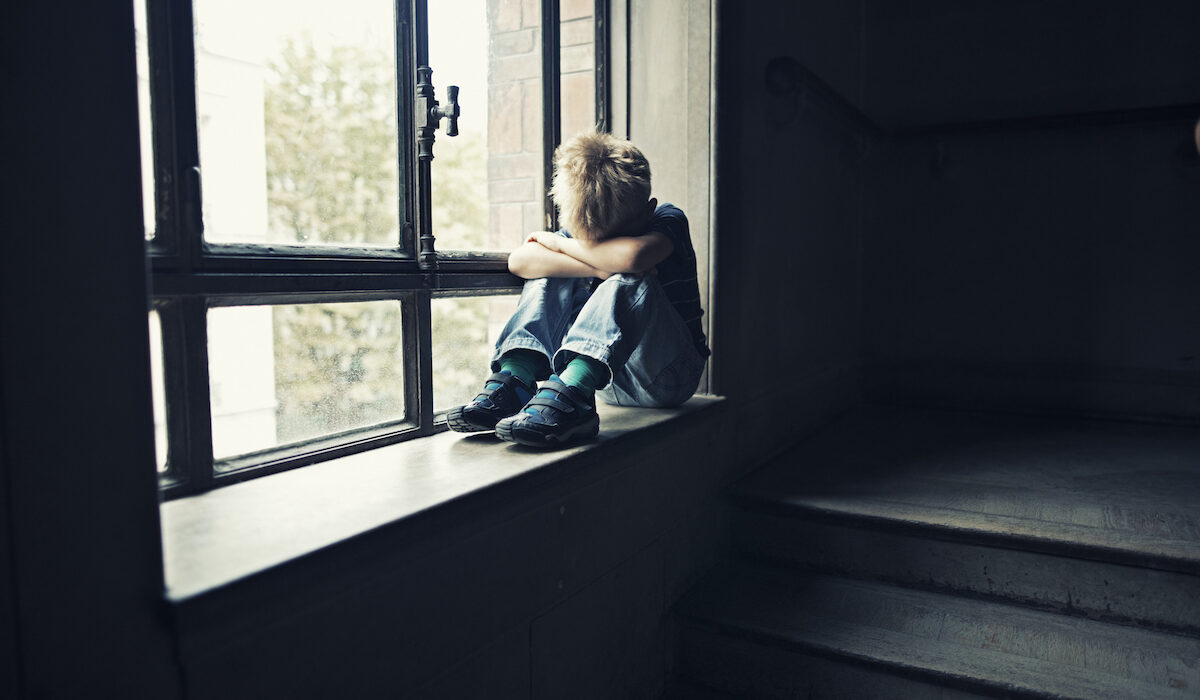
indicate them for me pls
(501, 378)
(569, 395)
(555, 385)
(554, 403)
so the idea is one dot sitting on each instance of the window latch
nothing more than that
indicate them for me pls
(449, 112)
(430, 112)
(428, 117)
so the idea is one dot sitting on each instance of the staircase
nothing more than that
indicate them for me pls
(908, 553)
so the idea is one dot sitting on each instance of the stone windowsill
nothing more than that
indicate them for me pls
(232, 533)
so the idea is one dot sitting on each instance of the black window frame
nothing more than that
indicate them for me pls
(189, 276)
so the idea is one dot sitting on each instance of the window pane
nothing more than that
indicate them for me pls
(143, 74)
(464, 333)
(487, 181)
(296, 103)
(285, 374)
(157, 391)
(577, 60)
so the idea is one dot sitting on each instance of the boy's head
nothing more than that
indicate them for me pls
(601, 186)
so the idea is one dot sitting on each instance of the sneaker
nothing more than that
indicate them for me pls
(557, 414)
(502, 396)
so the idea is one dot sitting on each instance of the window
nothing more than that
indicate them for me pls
(328, 268)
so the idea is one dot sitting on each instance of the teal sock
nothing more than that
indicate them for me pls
(522, 364)
(584, 373)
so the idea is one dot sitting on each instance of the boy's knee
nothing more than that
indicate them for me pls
(630, 290)
(626, 280)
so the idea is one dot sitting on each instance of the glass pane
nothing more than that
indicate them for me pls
(143, 74)
(296, 102)
(464, 333)
(284, 374)
(487, 181)
(157, 391)
(577, 60)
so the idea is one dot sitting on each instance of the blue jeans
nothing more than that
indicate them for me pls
(627, 324)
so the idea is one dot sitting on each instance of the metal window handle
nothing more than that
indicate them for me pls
(429, 113)
(450, 111)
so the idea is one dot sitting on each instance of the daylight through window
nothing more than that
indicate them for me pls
(287, 204)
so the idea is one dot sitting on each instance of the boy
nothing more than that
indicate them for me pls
(634, 337)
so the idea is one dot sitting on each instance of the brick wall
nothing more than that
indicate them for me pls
(577, 62)
(515, 175)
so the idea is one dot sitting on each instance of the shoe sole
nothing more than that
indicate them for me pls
(459, 423)
(531, 438)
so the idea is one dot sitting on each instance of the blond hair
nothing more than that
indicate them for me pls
(601, 185)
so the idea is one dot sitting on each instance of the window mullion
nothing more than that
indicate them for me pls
(176, 145)
(185, 366)
(170, 315)
(196, 395)
(600, 18)
(552, 110)
(421, 392)
(405, 95)
(425, 127)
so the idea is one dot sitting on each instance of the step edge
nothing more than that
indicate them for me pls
(768, 580)
(1018, 538)
(1155, 625)
(945, 676)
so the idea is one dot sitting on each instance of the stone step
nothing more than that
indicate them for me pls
(1093, 518)
(932, 505)
(766, 669)
(920, 554)
(754, 631)
(1121, 492)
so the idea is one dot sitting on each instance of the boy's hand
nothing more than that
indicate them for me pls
(548, 240)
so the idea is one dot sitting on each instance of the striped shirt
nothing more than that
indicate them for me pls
(677, 274)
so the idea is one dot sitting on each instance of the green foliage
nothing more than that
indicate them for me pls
(332, 164)
(337, 367)
(332, 177)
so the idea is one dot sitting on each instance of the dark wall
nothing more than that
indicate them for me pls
(1005, 190)
(945, 61)
(1044, 262)
(788, 289)
(1051, 269)
(78, 463)
(555, 584)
